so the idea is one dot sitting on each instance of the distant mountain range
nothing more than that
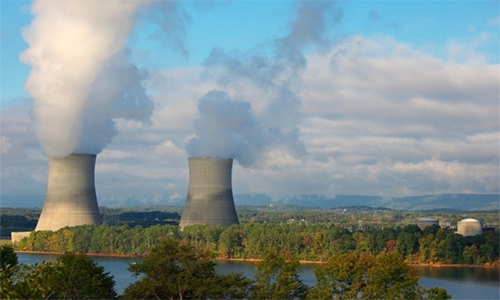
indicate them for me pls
(471, 202)
(426, 202)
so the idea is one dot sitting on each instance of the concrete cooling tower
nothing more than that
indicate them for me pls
(210, 194)
(71, 199)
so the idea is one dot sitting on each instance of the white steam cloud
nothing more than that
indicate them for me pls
(227, 128)
(81, 78)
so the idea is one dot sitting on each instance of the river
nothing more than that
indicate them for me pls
(461, 282)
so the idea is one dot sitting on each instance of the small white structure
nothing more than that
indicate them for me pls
(469, 227)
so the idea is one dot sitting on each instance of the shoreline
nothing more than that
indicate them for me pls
(493, 265)
(88, 254)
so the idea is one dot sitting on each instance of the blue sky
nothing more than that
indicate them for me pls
(385, 98)
(243, 25)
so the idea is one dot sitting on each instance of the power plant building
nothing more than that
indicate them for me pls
(210, 195)
(469, 227)
(425, 222)
(71, 198)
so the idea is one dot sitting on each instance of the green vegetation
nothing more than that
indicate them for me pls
(179, 270)
(314, 242)
(25, 219)
(278, 278)
(385, 276)
(175, 270)
(17, 219)
(74, 276)
(367, 254)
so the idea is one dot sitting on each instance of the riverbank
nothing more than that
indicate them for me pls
(88, 254)
(495, 264)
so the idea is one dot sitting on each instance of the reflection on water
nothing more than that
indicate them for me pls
(466, 283)
(461, 282)
(485, 276)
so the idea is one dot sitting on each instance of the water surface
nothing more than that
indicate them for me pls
(466, 283)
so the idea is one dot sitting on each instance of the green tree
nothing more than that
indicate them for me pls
(436, 293)
(453, 245)
(175, 270)
(406, 243)
(230, 241)
(25, 281)
(72, 277)
(7, 256)
(385, 276)
(389, 277)
(340, 278)
(77, 276)
(277, 278)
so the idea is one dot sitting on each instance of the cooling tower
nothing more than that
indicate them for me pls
(71, 199)
(210, 194)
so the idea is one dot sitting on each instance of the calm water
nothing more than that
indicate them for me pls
(460, 282)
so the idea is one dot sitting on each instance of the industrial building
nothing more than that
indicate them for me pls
(71, 198)
(469, 227)
(210, 195)
(425, 222)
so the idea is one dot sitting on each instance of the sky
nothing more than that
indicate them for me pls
(384, 98)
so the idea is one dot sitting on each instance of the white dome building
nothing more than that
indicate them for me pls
(469, 227)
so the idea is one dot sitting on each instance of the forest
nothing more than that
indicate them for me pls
(311, 242)
(311, 234)
(180, 270)
(365, 253)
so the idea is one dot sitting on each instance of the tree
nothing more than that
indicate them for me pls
(77, 276)
(406, 243)
(22, 281)
(230, 241)
(389, 277)
(175, 270)
(385, 276)
(340, 278)
(277, 278)
(7, 256)
(72, 277)
(436, 293)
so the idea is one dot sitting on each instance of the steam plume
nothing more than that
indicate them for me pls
(227, 128)
(80, 76)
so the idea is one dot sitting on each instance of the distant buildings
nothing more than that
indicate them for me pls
(424, 222)
(469, 227)
(465, 227)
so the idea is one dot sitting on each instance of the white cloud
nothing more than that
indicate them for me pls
(494, 22)
(377, 117)
(6, 145)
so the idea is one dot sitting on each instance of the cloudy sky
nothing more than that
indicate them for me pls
(389, 98)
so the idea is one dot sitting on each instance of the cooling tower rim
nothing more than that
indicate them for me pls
(211, 158)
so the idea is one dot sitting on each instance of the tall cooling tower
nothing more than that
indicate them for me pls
(71, 199)
(210, 194)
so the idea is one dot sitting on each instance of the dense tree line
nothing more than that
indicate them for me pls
(17, 221)
(180, 270)
(315, 242)
(73, 276)
(357, 217)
